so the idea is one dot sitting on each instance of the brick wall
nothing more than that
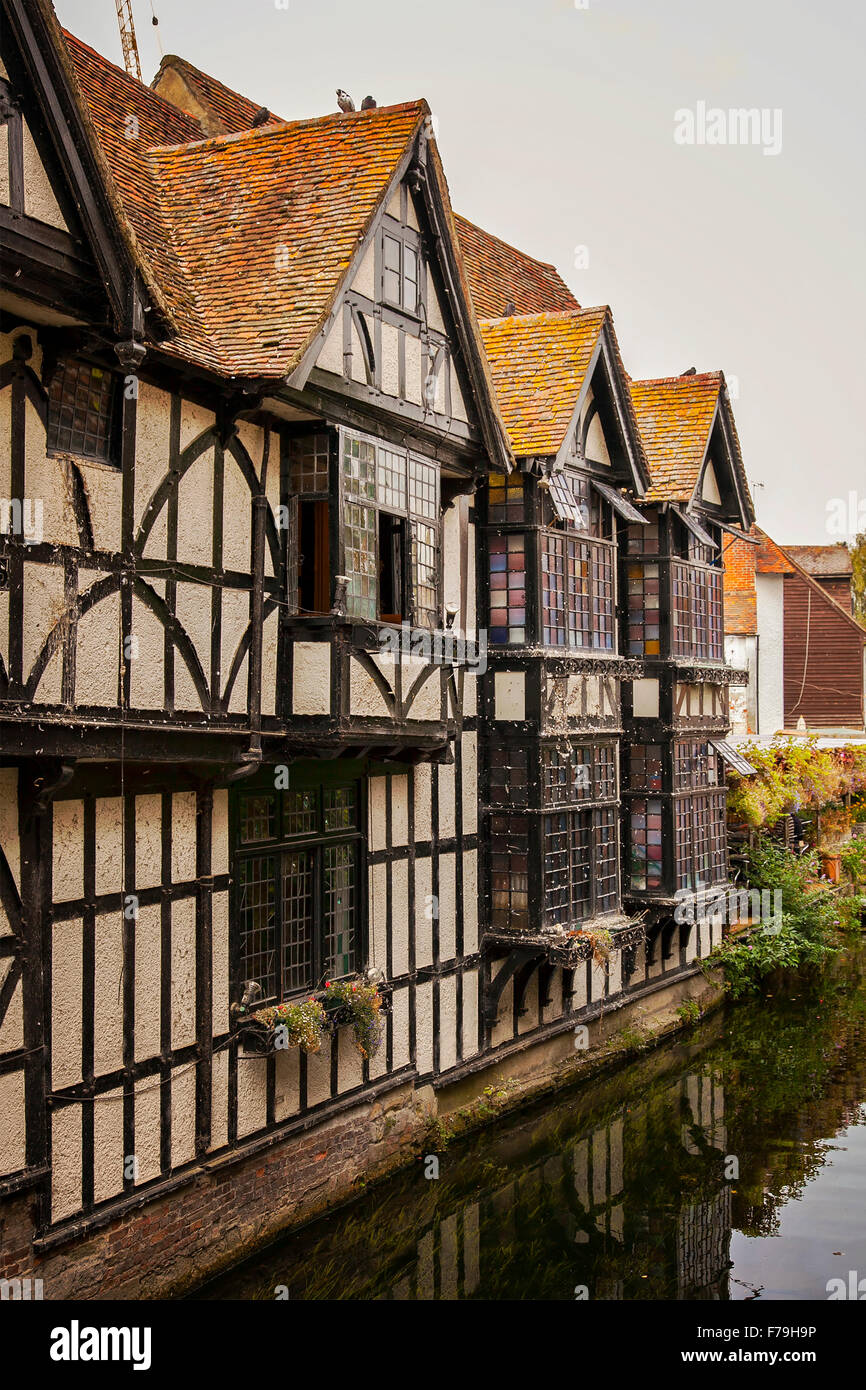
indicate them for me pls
(225, 1211)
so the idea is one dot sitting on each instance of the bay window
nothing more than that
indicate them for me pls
(390, 532)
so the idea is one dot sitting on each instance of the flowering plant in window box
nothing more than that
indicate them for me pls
(281, 1026)
(601, 943)
(358, 1003)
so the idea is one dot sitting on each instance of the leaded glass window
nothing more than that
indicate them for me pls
(701, 840)
(309, 455)
(391, 542)
(646, 843)
(505, 498)
(297, 906)
(83, 411)
(644, 630)
(507, 558)
(509, 871)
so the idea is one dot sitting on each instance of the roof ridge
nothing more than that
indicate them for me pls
(142, 86)
(524, 255)
(544, 315)
(235, 136)
(713, 375)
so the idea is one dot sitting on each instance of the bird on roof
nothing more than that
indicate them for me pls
(344, 101)
(369, 104)
(261, 116)
(690, 371)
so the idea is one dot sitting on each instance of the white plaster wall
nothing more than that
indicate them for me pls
(66, 983)
(311, 678)
(770, 592)
(39, 200)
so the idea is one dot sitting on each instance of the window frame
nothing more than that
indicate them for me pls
(590, 816)
(278, 847)
(111, 457)
(406, 239)
(416, 498)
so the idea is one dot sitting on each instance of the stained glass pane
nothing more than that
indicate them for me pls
(507, 588)
(505, 497)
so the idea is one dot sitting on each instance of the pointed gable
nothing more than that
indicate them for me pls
(689, 434)
(547, 368)
(216, 108)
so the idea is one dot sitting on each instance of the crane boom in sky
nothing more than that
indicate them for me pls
(127, 38)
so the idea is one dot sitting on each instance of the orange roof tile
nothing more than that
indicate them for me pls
(266, 224)
(498, 274)
(249, 235)
(232, 112)
(538, 363)
(769, 558)
(675, 417)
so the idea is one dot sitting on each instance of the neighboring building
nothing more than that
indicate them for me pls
(830, 566)
(806, 650)
(261, 462)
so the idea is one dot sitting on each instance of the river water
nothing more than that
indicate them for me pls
(728, 1164)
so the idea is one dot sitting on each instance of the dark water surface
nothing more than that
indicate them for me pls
(622, 1189)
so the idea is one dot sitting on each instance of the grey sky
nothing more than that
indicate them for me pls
(556, 127)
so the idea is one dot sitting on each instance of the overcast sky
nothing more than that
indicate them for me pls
(556, 124)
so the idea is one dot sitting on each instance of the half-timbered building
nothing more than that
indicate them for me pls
(323, 513)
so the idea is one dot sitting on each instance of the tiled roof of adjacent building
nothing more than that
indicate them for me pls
(498, 274)
(538, 363)
(769, 557)
(231, 111)
(823, 561)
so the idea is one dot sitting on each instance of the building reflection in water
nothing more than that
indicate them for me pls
(610, 1194)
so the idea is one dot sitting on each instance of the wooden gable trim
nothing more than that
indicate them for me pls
(721, 420)
(628, 437)
(86, 183)
(471, 369)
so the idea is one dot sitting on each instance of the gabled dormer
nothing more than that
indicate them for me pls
(552, 524)
(400, 338)
(697, 500)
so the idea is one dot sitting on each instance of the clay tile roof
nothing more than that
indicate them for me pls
(232, 111)
(823, 561)
(127, 118)
(266, 224)
(675, 417)
(769, 558)
(538, 363)
(249, 235)
(498, 273)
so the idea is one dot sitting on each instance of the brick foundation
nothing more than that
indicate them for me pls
(227, 1210)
